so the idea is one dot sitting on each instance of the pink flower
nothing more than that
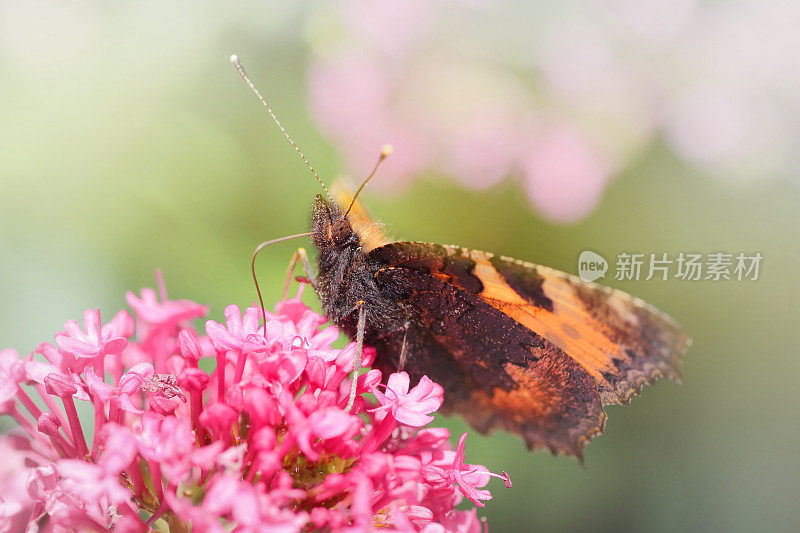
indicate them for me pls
(470, 477)
(413, 407)
(91, 482)
(458, 522)
(329, 428)
(96, 341)
(120, 397)
(149, 309)
(268, 447)
(240, 332)
(168, 442)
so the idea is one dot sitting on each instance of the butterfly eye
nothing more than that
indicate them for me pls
(340, 232)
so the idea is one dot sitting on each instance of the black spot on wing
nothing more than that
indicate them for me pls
(524, 280)
(460, 270)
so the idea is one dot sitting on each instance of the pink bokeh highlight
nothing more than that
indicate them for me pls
(461, 96)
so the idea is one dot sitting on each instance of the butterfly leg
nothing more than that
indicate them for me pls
(403, 348)
(299, 255)
(362, 322)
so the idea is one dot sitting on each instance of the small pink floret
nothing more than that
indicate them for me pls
(413, 407)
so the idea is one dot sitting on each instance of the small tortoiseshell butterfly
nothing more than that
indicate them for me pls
(515, 345)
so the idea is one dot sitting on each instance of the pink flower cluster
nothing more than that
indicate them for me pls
(121, 427)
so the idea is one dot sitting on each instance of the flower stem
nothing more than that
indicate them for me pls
(75, 425)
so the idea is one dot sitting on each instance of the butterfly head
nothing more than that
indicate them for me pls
(330, 223)
(330, 228)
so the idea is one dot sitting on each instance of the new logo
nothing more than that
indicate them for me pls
(591, 266)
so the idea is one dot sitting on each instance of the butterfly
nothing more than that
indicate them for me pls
(516, 346)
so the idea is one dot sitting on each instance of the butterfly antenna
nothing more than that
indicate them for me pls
(237, 64)
(253, 270)
(386, 151)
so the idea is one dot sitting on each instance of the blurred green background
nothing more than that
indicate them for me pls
(129, 143)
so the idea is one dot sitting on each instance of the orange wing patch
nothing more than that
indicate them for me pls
(566, 326)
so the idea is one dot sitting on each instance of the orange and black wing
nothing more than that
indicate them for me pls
(622, 341)
(495, 371)
(618, 341)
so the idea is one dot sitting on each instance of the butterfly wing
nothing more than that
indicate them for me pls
(496, 372)
(621, 341)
